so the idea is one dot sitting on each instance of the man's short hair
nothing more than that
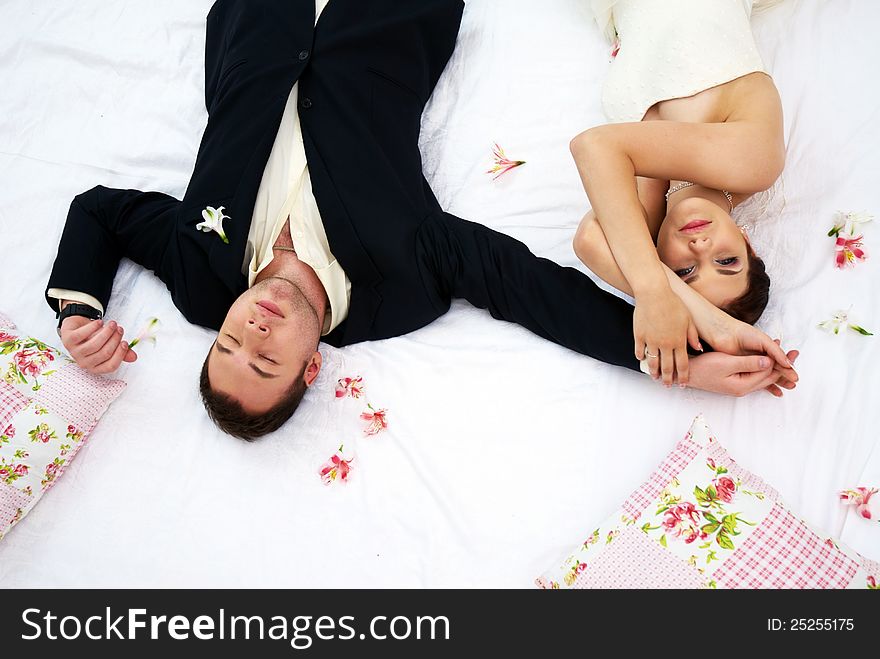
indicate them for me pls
(228, 414)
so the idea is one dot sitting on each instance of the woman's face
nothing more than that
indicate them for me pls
(702, 245)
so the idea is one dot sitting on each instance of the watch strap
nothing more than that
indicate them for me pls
(78, 309)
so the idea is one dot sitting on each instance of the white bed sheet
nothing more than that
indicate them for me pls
(502, 448)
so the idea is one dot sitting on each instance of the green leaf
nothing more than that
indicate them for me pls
(724, 541)
(663, 540)
(710, 517)
(706, 545)
(860, 330)
(709, 529)
(729, 522)
(721, 470)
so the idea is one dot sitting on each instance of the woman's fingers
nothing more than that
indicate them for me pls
(681, 366)
(667, 365)
(694, 338)
(640, 348)
(775, 352)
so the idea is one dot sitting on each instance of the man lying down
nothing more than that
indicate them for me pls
(307, 218)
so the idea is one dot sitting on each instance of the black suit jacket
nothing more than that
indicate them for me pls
(365, 73)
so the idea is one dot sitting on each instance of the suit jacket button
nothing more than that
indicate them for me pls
(303, 55)
(306, 103)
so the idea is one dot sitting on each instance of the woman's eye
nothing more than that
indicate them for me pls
(729, 261)
(271, 361)
(685, 272)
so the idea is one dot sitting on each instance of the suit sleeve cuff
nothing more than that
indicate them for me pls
(74, 296)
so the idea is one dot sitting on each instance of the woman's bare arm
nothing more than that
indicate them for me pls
(743, 155)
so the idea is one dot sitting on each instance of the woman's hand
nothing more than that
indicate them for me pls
(735, 337)
(662, 328)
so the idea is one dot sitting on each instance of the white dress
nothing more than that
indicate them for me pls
(673, 49)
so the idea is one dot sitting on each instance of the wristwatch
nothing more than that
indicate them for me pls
(77, 309)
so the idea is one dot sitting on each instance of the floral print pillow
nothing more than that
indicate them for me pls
(48, 407)
(702, 521)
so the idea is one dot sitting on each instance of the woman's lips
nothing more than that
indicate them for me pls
(271, 307)
(694, 226)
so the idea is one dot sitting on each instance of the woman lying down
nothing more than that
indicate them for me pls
(697, 130)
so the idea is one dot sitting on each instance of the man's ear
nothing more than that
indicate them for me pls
(313, 368)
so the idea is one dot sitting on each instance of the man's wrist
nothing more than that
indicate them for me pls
(76, 309)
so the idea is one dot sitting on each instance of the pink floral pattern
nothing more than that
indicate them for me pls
(353, 387)
(575, 568)
(377, 421)
(11, 471)
(41, 427)
(704, 527)
(683, 521)
(73, 434)
(336, 468)
(42, 433)
(592, 539)
(53, 471)
(31, 359)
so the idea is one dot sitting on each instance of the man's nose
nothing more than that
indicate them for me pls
(257, 328)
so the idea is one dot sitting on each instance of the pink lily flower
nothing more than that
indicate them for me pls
(503, 164)
(377, 420)
(353, 387)
(849, 250)
(859, 497)
(337, 467)
(615, 47)
(147, 333)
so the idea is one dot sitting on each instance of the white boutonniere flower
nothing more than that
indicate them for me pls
(214, 221)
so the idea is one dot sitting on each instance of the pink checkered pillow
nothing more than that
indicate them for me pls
(702, 521)
(48, 407)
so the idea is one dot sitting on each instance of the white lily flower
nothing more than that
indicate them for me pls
(839, 320)
(847, 222)
(148, 333)
(214, 221)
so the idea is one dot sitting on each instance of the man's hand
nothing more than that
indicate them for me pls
(96, 346)
(741, 375)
